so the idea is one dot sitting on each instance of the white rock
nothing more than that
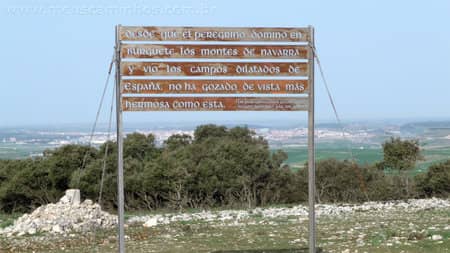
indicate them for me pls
(31, 231)
(57, 229)
(88, 202)
(436, 237)
(71, 197)
(151, 222)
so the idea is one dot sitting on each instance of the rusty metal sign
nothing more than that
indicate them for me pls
(214, 104)
(183, 86)
(213, 51)
(154, 33)
(213, 69)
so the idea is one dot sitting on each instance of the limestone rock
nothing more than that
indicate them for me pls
(57, 229)
(436, 237)
(238, 217)
(31, 231)
(88, 202)
(72, 197)
(151, 222)
(63, 217)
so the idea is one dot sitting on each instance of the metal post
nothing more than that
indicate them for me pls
(120, 194)
(311, 148)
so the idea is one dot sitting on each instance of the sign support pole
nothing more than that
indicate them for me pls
(311, 148)
(120, 191)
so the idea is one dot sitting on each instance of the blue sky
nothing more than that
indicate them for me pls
(382, 59)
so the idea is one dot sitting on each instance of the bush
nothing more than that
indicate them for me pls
(29, 187)
(436, 181)
(338, 181)
(218, 167)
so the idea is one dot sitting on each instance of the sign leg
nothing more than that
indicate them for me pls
(120, 185)
(311, 151)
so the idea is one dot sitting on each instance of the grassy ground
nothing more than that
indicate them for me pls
(8, 219)
(389, 231)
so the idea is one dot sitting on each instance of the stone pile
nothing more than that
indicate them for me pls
(299, 211)
(68, 215)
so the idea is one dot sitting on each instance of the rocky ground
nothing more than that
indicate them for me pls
(421, 225)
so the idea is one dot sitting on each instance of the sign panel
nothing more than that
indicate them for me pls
(213, 51)
(154, 33)
(214, 104)
(140, 86)
(213, 69)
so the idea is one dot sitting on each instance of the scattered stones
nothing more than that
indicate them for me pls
(236, 217)
(366, 227)
(63, 217)
(414, 235)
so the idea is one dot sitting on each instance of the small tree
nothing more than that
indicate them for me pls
(139, 146)
(402, 156)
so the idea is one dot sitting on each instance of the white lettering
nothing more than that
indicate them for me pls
(219, 52)
(210, 70)
(140, 34)
(219, 87)
(141, 87)
(147, 105)
(185, 104)
(277, 35)
(219, 35)
(150, 52)
(295, 87)
(247, 68)
(213, 105)
(280, 52)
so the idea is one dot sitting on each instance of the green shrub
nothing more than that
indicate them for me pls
(436, 181)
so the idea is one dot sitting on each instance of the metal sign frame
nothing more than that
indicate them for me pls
(146, 34)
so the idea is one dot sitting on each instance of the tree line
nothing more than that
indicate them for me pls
(217, 167)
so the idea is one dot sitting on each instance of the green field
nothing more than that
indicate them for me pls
(21, 151)
(297, 156)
